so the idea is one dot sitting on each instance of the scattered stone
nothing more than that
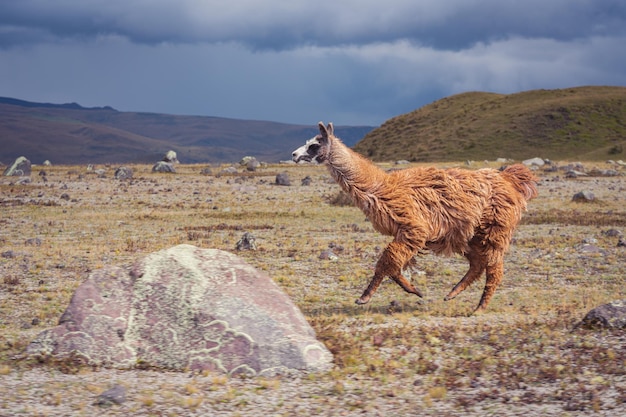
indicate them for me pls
(502, 160)
(8, 254)
(607, 316)
(33, 241)
(534, 162)
(230, 170)
(575, 174)
(113, 396)
(247, 242)
(283, 179)
(163, 166)
(612, 233)
(252, 164)
(184, 309)
(170, 157)
(100, 172)
(328, 255)
(603, 173)
(306, 181)
(123, 173)
(621, 243)
(65, 196)
(206, 171)
(21, 167)
(402, 162)
(47, 163)
(244, 161)
(584, 197)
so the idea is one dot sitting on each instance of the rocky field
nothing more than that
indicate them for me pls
(398, 355)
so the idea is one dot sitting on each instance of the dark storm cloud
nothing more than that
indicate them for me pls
(281, 24)
(349, 61)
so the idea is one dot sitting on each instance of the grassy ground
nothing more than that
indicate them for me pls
(398, 354)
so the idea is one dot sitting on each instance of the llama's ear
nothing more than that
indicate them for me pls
(330, 129)
(323, 130)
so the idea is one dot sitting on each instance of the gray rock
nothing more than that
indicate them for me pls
(247, 242)
(584, 197)
(228, 170)
(170, 157)
(21, 167)
(123, 173)
(306, 181)
(184, 308)
(115, 395)
(253, 164)
(283, 179)
(328, 255)
(607, 316)
(534, 162)
(163, 166)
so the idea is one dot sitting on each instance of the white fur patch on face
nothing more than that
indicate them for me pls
(308, 152)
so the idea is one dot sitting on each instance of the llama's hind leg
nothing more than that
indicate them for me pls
(495, 272)
(476, 269)
(390, 264)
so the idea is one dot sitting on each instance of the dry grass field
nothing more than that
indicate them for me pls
(398, 355)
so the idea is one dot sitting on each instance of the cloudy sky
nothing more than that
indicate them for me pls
(294, 61)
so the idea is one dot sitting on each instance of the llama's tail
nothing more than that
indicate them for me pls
(522, 179)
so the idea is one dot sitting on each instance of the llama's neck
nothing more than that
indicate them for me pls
(355, 174)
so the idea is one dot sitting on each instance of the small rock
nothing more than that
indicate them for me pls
(283, 179)
(328, 255)
(252, 165)
(123, 173)
(534, 162)
(306, 180)
(621, 243)
(247, 242)
(612, 233)
(163, 166)
(34, 241)
(8, 254)
(583, 197)
(115, 395)
(21, 167)
(607, 316)
(170, 157)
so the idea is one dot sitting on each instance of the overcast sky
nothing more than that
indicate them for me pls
(347, 61)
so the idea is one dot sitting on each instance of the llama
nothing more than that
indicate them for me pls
(447, 211)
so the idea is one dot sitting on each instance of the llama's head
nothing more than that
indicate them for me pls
(315, 149)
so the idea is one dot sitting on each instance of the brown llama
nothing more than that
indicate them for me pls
(473, 213)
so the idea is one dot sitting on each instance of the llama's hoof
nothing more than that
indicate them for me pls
(362, 300)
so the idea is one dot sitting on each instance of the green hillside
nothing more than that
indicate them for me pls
(587, 123)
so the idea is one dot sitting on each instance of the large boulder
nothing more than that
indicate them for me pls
(606, 316)
(21, 167)
(184, 308)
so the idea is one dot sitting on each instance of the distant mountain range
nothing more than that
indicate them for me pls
(581, 123)
(72, 134)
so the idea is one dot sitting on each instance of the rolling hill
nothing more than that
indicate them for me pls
(586, 123)
(72, 134)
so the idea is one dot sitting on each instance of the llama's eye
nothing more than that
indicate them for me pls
(313, 148)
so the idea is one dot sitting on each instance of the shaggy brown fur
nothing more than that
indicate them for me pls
(473, 213)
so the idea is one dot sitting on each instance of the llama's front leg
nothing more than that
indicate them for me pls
(495, 272)
(390, 264)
